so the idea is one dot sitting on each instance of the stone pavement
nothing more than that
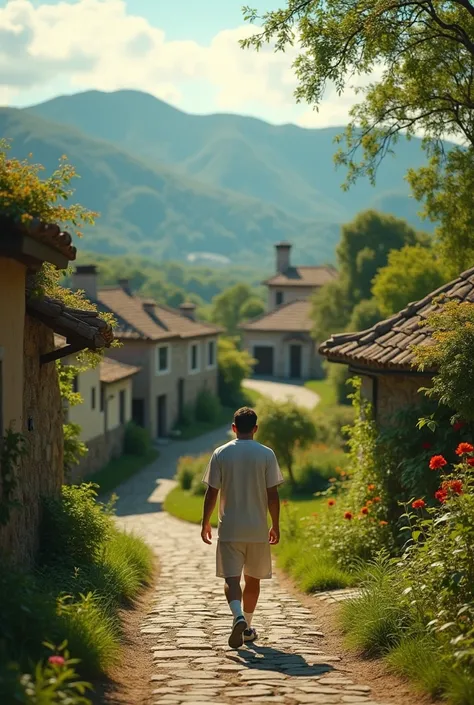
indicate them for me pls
(189, 623)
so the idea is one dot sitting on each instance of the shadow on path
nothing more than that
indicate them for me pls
(267, 658)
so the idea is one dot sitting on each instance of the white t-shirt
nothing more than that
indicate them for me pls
(243, 470)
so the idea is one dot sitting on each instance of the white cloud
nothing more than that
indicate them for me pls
(100, 44)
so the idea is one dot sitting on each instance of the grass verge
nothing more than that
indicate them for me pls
(199, 428)
(325, 390)
(119, 470)
(186, 506)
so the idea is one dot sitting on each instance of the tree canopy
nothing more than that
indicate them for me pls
(419, 57)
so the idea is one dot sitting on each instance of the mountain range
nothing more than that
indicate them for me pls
(169, 184)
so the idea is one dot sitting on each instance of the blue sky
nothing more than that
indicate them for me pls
(184, 52)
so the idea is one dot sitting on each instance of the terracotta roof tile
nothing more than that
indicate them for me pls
(389, 343)
(293, 317)
(47, 233)
(114, 371)
(303, 276)
(142, 318)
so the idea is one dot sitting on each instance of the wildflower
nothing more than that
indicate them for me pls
(364, 510)
(333, 479)
(383, 523)
(441, 496)
(454, 485)
(371, 488)
(348, 515)
(343, 473)
(470, 461)
(369, 503)
(56, 660)
(437, 462)
(458, 425)
(426, 445)
(377, 499)
(285, 503)
(464, 449)
(418, 504)
(331, 502)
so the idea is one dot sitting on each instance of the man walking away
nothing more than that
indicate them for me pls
(247, 475)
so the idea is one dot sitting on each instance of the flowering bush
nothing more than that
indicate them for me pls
(54, 682)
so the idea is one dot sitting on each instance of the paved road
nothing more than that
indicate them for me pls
(282, 391)
(189, 621)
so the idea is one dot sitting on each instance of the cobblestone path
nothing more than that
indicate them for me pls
(189, 624)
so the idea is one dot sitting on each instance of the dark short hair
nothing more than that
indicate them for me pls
(245, 419)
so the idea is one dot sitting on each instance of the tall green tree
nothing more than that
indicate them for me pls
(411, 273)
(420, 56)
(232, 306)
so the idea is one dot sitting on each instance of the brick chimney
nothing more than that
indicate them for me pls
(188, 309)
(283, 256)
(85, 278)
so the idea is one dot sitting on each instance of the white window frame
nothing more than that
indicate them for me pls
(157, 359)
(190, 358)
(214, 364)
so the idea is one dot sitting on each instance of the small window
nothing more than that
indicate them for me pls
(93, 398)
(279, 298)
(102, 396)
(75, 384)
(163, 359)
(194, 358)
(211, 353)
(122, 400)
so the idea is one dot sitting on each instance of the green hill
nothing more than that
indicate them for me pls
(285, 166)
(153, 210)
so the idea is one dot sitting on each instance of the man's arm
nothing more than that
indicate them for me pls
(209, 505)
(274, 509)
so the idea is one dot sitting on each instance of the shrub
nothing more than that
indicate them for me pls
(190, 472)
(417, 658)
(136, 440)
(331, 425)
(338, 376)
(316, 466)
(234, 366)
(75, 527)
(207, 407)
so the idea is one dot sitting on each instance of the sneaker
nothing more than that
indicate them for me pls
(250, 634)
(236, 638)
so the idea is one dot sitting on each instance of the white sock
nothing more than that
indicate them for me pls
(236, 608)
(248, 618)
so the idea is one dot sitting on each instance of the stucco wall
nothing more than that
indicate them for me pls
(12, 313)
(41, 471)
(91, 420)
(112, 392)
(281, 342)
(290, 293)
(148, 385)
(397, 391)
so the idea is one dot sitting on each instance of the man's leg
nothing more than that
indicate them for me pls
(233, 592)
(230, 562)
(251, 595)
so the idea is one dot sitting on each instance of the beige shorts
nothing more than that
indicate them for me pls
(254, 559)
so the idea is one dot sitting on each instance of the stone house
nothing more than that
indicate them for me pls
(30, 402)
(176, 353)
(280, 339)
(106, 409)
(383, 355)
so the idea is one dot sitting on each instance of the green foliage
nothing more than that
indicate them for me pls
(285, 427)
(410, 274)
(315, 466)
(251, 308)
(118, 470)
(363, 249)
(451, 354)
(74, 449)
(12, 448)
(332, 424)
(234, 366)
(418, 89)
(339, 376)
(136, 441)
(186, 506)
(229, 308)
(416, 658)
(207, 406)
(190, 471)
(75, 527)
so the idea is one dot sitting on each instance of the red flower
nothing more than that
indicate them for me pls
(364, 510)
(426, 445)
(418, 504)
(437, 462)
(454, 485)
(348, 515)
(285, 502)
(441, 496)
(377, 499)
(383, 523)
(331, 502)
(56, 660)
(458, 425)
(371, 488)
(464, 449)
(369, 503)
(470, 461)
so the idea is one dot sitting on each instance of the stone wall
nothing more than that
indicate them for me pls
(397, 391)
(41, 471)
(100, 450)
